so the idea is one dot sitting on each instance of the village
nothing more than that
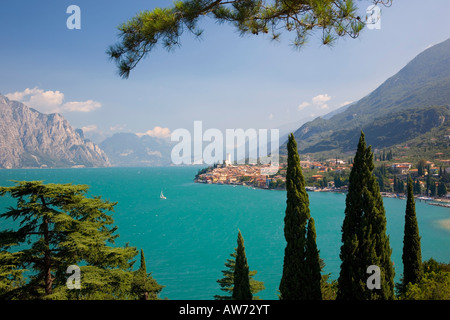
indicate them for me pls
(332, 175)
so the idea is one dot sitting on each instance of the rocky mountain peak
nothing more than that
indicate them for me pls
(29, 138)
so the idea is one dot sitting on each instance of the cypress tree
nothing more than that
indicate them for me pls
(312, 260)
(416, 188)
(295, 281)
(144, 286)
(364, 239)
(428, 181)
(412, 257)
(442, 189)
(241, 290)
(226, 283)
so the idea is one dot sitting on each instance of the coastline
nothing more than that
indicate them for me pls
(428, 200)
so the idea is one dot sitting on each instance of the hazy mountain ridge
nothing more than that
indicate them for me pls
(32, 139)
(129, 149)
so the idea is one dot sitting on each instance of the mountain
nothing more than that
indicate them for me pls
(409, 104)
(131, 150)
(30, 139)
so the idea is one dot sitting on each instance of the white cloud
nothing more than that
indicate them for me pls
(89, 128)
(157, 132)
(320, 100)
(303, 105)
(118, 127)
(81, 106)
(51, 101)
(345, 103)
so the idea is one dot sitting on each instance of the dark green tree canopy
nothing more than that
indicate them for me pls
(412, 254)
(144, 286)
(59, 226)
(227, 282)
(164, 26)
(301, 268)
(241, 289)
(364, 238)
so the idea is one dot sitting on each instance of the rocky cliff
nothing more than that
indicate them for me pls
(30, 139)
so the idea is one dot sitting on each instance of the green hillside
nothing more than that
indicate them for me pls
(410, 104)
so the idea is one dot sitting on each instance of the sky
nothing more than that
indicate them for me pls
(224, 80)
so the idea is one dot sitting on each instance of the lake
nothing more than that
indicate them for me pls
(188, 236)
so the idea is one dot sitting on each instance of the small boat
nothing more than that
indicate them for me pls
(161, 196)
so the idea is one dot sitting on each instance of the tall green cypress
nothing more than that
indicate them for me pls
(364, 239)
(226, 283)
(143, 266)
(241, 290)
(312, 260)
(412, 256)
(143, 285)
(295, 281)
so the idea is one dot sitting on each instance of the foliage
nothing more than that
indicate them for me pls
(408, 113)
(433, 285)
(143, 285)
(300, 255)
(328, 288)
(165, 26)
(227, 282)
(385, 129)
(11, 277)
(412, 254)
(59, 226)
(241, 279)
(364, 239)
(312, 261)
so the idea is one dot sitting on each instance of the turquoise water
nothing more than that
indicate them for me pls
(188, 237)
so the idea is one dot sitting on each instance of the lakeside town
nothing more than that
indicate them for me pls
(331, 175)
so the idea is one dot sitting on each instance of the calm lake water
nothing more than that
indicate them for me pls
(188, 237)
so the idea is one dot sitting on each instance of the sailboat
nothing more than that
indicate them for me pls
(161, 196)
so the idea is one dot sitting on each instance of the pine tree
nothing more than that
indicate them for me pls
(241, 289)
(59, 227)
(294, 281)
(364, 240)
(412, 256)
(164, 26)
(11, 277)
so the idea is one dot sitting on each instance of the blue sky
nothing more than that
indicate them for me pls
(224, 80)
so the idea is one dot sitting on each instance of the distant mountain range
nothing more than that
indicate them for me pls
(412, 103)
(32, 139)
(410, 108)
(131, 150)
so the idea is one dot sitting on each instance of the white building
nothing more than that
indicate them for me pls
(228, 160)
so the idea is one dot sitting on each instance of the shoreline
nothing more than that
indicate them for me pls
(428, 200)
